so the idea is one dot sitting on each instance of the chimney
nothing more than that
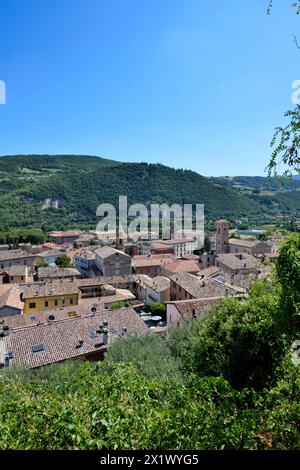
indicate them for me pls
(105, 336)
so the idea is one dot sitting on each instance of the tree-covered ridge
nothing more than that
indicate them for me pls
(230, 380)
(85, 182)
(47, 162)
(260, 183)
(281, 197)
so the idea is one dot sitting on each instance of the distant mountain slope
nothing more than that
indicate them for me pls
(259, 182)
(60, 162)
(83, 182)
(283, 198)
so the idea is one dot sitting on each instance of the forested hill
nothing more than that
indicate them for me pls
(84, 182)
(277, 196)
(30, 185)
(46, 163)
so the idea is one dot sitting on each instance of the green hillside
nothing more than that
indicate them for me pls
(279, 197)
(260, 183)
(45, 162)
(84, 182)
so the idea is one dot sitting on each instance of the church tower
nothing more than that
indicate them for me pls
(120, 239)
(222, 236)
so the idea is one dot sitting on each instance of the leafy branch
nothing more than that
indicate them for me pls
(286, 143)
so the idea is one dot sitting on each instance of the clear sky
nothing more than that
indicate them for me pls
(196, 84)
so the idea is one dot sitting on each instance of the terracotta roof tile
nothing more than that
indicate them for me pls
(57, 341)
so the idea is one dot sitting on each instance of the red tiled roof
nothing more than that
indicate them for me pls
(187, 266)
(190, 308)
(161, 246)
(10, 296)
(66, 233)
(57, 341)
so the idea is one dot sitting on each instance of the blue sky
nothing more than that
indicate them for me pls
(196, 84)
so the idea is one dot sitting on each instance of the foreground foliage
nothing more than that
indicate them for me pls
(88, 406)
(226, 381)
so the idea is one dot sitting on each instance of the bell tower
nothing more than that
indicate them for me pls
(120, 239)
(222, 236)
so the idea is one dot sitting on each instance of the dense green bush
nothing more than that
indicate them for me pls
(226, 381)
(83, 405)
(157, 309)
(149, 353)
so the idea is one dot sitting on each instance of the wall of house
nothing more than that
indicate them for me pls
(151, 271)
(240, 249)
(27, 261)
(115, 265)
(153, 296)
(18, 279)
(83, 263)
(206, 261)
(178, 293)
(50, 260)
(59, 278)
(261, 248)
(140, 291)
(185, 248)
(173, 316)
(54, 301)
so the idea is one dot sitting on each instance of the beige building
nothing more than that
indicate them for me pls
(64, 237)
(153, 289)
(56, 273)
(112, 262)
(151, 265)
(9, 258)
(233, 263)
(185, 286)
(10, 300)
(252, 247)
(188, 266)
(187, 309)
(15, 275)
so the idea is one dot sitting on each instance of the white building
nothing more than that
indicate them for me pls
(182, 247)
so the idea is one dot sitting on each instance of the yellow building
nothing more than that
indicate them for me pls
(50, 295)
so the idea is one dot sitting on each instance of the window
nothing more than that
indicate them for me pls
(38, 348)
(63, 301)
(46, 303)
(71, 301)
(72, 314)
(32, 305)
(55, 302)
